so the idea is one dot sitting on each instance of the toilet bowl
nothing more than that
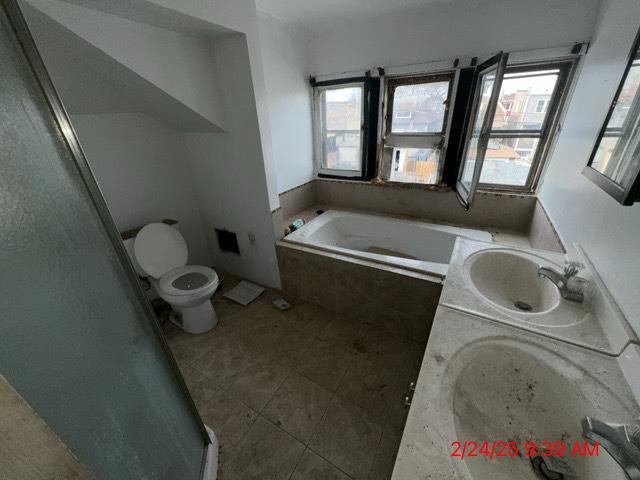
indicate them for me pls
(161, 253)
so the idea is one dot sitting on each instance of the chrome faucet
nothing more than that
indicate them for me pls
(621, 441)
(564, 280)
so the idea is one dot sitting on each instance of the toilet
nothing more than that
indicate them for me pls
(161, 254)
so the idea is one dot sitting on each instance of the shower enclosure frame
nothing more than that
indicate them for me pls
(61, 118)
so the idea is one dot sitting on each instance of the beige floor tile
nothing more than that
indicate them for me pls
(347, 436)
(257, 384)
(313, 467)
(385, 348)
(186, 347)
(291, 347)
(310, 318)
(226, 357)
(201, 387)
(386, 453)
(265, 453)
(326, 365)
(379, 390)
(298, 406)
(229, 418)
(346, 332)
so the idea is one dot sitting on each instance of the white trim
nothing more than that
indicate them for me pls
(210, 471)
(434, 66)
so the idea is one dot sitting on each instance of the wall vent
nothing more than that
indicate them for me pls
(227, 241)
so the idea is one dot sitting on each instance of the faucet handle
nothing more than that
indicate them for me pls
(571, 268)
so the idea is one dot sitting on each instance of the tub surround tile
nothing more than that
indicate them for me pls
(314, 467)
(509, 211)
(297, 199)
(298, 406)
(351, 288)
(348, 437)
(542, 233)
(515, 219)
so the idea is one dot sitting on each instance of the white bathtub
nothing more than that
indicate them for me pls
(381, 239)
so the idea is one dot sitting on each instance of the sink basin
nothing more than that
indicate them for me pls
(510, 280)
(509, 390)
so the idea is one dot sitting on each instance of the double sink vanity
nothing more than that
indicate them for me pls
(527, 368)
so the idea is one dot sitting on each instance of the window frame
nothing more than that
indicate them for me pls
(390, 141)
(498, 65)
(547, 133)
(628, 194)
(369, 122)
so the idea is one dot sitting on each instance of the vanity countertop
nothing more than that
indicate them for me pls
(485, 381)
(597, 323)
(491, 375)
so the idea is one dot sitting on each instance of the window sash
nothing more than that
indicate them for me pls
(552, 112)
(321, 130)
(412, 140)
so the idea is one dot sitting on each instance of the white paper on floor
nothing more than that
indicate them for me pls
(244, 293)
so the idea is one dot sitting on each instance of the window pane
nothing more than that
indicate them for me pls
(342, 151)
(524, 100)
(415, 165)
(419, 108)
(486, 90)
(627, 94)
(342, 128)
(508, 160)
(343, 107)
(470, 161)
(601, 161)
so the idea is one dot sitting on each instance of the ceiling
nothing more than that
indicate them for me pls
(307, 12)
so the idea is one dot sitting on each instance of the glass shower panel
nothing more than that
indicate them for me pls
(76, 341)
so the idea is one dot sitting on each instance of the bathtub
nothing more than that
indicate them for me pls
(417, 246)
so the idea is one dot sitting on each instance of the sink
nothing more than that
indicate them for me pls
(510, 390)
(486, 381)
(510, 280)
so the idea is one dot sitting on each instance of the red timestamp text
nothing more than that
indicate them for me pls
(512, 449)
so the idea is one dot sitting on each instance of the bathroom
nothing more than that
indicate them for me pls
(320, 240)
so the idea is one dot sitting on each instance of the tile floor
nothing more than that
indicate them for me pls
(303, 394)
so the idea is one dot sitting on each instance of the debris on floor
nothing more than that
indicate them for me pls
(244, 293)
(281, 304)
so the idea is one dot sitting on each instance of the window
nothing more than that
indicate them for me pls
(414, 128)
(541, 105)
(520, 136)
(615, 161)
(493, 132)
(342, 124)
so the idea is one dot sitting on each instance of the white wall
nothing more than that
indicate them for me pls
(229, 171)
(284, 56)
(581, 212)
(143, 173)
(178, 64)
(445, 31)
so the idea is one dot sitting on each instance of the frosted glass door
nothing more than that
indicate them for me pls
(76, 339)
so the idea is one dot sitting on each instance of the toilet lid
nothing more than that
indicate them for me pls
(160, 248)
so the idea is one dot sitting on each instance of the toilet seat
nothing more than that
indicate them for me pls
(167, 286)
(159, 248)
(162, 254)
